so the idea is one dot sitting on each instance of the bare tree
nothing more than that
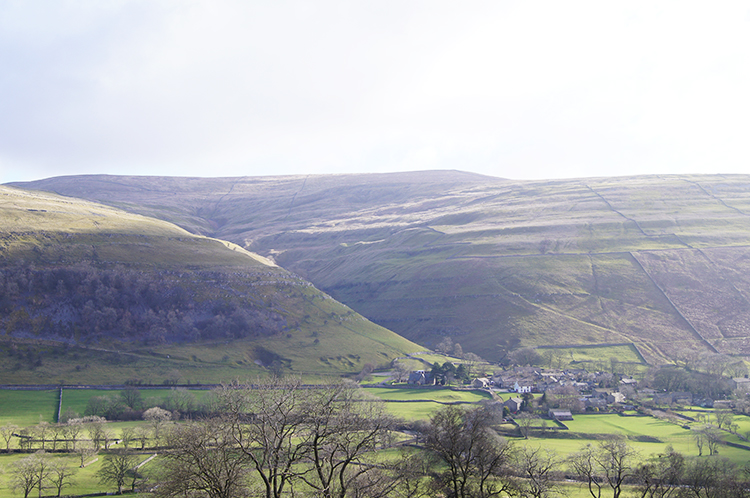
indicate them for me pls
(661, 477)
(713, 478)
(525, 422)
(458, 351)
(85, 450)
(40, 432)
(56, 431)
(24, 475)
(610, 463)
(108, 435)
(526, 356)
(71, 431)
(410, 472)
(713, 439)
(265, 424)
(737, 369)
(537, 468)
(341, 427)
(128, 436)
(700, 440)
(6, 432)
(31, 472)
(203, 458)
(181, 400)
(401, 370)
(132, 398)
(157, 418)
(724, 418)
(565, 398)
(61, 475)
(141, 435)
(116, 468)
(445, 346)
(95, 428)
(471, 360)
(475, 456)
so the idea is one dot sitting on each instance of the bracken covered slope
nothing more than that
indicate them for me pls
(661, 262)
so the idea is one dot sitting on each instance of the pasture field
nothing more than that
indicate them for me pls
(445, 395)
(647, 434)
(595, 357)
(420, 403)
(77, 399)
(25, 408)
(430, 358)
(84, 481)
(421, 410)
(589, 428)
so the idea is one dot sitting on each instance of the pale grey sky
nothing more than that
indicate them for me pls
(523, 90)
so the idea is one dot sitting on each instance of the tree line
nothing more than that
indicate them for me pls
(278, 440)
(86, 302)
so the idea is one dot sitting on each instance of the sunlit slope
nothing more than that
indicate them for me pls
(657, 261)
(77, 273)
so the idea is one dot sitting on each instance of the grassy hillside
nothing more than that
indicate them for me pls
(660, 262)
(93, 294)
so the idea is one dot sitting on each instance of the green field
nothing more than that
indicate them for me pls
(84, 481)
(423, 402)
(590, 428)
(24, 408)
(445, 395)
(648, 435)
(623, 358)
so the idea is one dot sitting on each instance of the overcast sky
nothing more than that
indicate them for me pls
(522, 90)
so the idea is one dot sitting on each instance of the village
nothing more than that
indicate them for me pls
(562, 393)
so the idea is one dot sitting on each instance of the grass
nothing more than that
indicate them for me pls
(445, 395)
(85, 480)
(590, 428)
(24, 408)
(596, 358)
(481, 260)
(76, 400)
(648, 435)
(419, 404)
(317, 336)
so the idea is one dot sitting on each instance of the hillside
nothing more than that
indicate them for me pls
(661, 262)
(78, 275)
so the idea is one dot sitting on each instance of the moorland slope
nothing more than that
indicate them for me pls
(659, 261)
(84, 275)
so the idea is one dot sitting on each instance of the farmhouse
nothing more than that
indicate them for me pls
(481, 383)
(615, 398)
(679, 398)
(560, 415)
(420, 378)
(513, 404)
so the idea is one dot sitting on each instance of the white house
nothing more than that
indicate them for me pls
(522, 388)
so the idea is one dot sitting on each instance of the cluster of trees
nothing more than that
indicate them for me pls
(87, 435)
(86, 301)
(448, 373)
(672, 378)
(129, 404)
(279, 440)
(40, 472)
